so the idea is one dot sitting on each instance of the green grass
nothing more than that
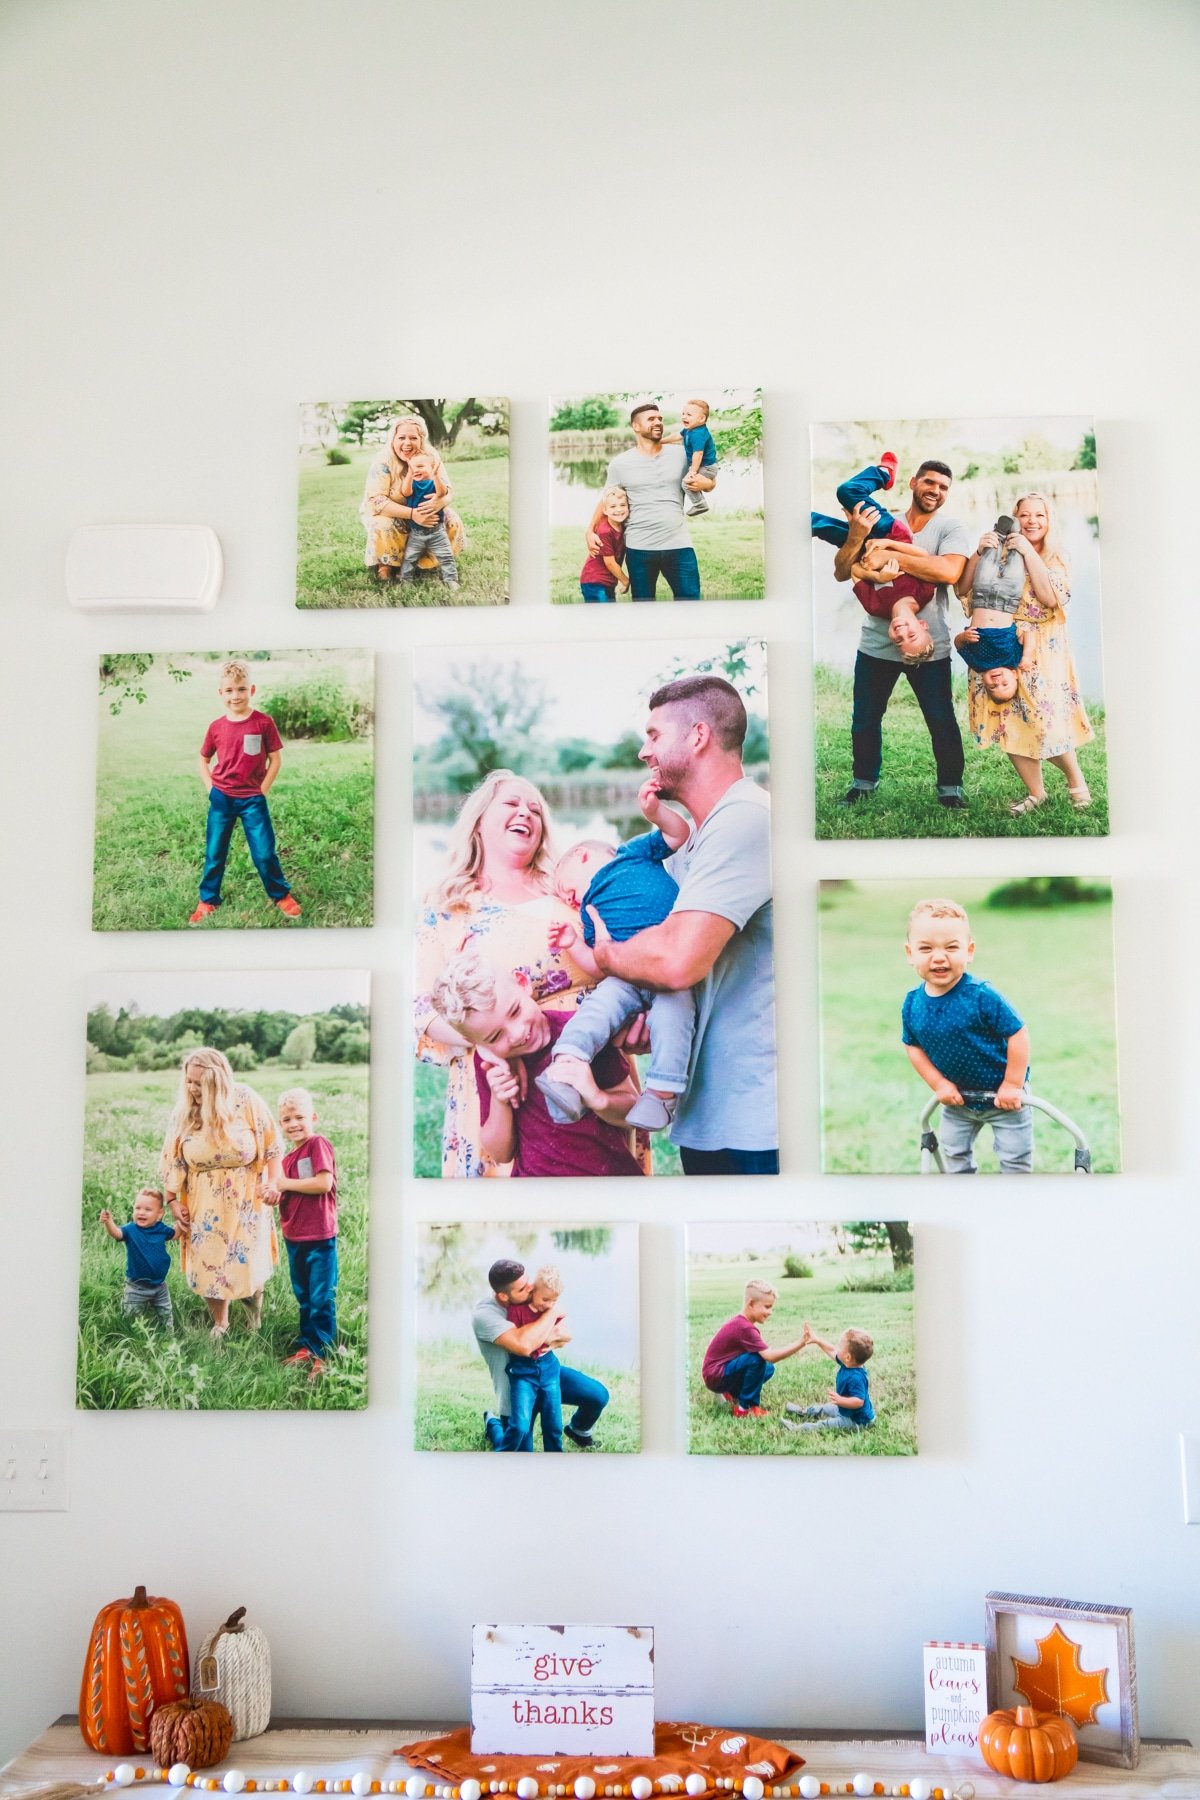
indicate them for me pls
(151, 809)
(329, 553)
(905, 804)
(715, 1293)
(1054, 964)
(729, 550)
(129, 1363)
(429, 1106)
(453, 1388)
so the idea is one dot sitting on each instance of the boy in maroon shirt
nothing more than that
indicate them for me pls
(514, 1041)
(602, 574)
(247, 746)
(738, 1361)
(307, 1201)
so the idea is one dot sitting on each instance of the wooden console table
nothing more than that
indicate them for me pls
(333, 1748)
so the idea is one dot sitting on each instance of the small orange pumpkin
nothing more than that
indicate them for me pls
(137, 1658)
(195, 1732)
(1028, 1745)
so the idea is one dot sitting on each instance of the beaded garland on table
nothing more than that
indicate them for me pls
(807, 1787)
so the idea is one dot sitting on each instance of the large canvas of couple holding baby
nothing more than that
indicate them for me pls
(800, 1339)
(527, 1338)
(224, 1220)
(957, 629)
(403, 503)
(656, 497)
(593, 871)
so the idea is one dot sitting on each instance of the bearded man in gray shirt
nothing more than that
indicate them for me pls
(657, 541)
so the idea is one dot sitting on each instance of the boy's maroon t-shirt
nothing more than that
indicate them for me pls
(735, 1337)
(589, 1147)
(306, 1218)
(612, 543)
(241, 747)
(523, 1314)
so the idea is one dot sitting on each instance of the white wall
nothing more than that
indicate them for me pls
(213, 210)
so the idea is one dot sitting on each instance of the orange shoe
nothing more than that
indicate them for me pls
(203, 911)
(303, 1355)
(288, 905)
(316, 1368)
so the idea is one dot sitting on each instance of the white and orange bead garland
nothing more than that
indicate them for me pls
(640, 1787)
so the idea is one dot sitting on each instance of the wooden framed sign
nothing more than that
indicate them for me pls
(562, 1689)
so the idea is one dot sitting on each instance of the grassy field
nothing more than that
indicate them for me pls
(429, 1106)
(729, 549)
(129, 1363)
(905, 804)
(151, 808)
(715, 1293)
(1054, 964)
(453, 1388)
(330, 539)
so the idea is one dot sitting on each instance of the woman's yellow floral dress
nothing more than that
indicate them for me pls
(1047, 716)
(517, 939)
(386, 536)
(230, 1249)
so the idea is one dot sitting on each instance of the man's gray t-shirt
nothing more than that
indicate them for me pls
(490, 1321)
(655, 488)
(940, 536)
(725, 868)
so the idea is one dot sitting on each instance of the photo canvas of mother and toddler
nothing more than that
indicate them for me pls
(224, 1219)
(956, 597)
(403, 503)
(594, 957)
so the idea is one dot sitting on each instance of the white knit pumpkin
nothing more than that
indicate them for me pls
(233, 1665)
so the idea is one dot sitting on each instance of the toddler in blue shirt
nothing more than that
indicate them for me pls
(701, 448)
(422, 484)
(631, 890)
(966, 1043)
(147, 1259)
(848, 1407)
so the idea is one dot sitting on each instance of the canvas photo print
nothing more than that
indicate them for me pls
(527, 1338)
(403, 503)
(592, 862)
(656, 497)
(235, 789)
(956, 595)
(223, 1259)
(800, 1339)
(968, 1026)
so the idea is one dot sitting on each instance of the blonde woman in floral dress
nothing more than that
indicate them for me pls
(1046, 722)
(385, 512)
(496, 895)
(221, 1160)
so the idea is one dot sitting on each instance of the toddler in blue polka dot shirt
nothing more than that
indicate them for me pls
(966, 1042)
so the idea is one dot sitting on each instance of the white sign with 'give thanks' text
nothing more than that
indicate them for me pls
(562, 1689)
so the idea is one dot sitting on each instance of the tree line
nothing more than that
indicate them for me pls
(130, 1039)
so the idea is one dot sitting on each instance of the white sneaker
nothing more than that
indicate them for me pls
(696, 506)
(652, 1112)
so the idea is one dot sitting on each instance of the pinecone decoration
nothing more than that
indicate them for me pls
(195, 1732)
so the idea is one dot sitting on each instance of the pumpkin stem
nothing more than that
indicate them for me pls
(1026, 1716)
(140, 1597)
(234, 1621)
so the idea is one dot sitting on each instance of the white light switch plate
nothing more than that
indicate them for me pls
(1189, 1448)
(33, 1471)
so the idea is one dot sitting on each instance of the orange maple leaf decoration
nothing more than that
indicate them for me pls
(1057, 1683)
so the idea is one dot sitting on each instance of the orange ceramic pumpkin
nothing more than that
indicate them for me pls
(137, 1658)
(1028, 1745)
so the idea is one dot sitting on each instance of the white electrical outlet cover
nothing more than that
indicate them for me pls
(138, 568)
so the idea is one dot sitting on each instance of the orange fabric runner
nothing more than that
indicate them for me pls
(680, 1749)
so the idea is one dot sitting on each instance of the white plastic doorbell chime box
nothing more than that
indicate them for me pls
(139, 568)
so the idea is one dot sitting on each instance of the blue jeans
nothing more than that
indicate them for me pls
(729, 1162)
(533, 1383)
(596, 590)
(224, 811)
(313, 1267)
(851, 493)
(745, 1376)
(874, 679)
(588, 1396)
(611, 1004)
(679, 568)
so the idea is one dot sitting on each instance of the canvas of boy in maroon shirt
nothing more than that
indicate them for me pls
(248, 752)
(739, 1361)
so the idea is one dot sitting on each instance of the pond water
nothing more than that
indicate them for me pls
(576, 486)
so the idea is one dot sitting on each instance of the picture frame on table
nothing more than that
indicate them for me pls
(1035, 1645)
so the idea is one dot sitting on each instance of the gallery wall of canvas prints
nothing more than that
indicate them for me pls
(923, 731)
(935, 993)
(532, 792)
(403, 503)
(224, 1223)
(572, 1381)
(669, 489)
(800, 1339)
(235, 790)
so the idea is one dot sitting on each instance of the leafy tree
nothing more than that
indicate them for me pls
(741, 436)
(489, 714)
(122, 677)
(575, 754)
(301, 1045)
(624, 753)
(242, 1057)
(1085, 456)
(866, 1235)
(1048, 890)
(362, 418)
(442, 424)
(595, 412)
(354, 1045)
(589, 1240)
